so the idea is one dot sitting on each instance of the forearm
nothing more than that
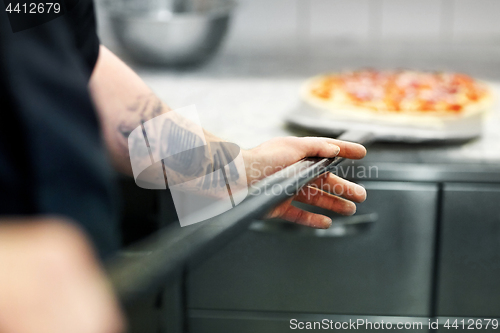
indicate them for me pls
(175, 150)
(123, 102)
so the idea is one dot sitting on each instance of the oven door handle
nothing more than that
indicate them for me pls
(341, 227)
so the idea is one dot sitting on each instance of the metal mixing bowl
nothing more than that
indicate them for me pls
(170, 32)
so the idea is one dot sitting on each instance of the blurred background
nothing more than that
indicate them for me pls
(433, 246)
(261, 42)
(355, 33)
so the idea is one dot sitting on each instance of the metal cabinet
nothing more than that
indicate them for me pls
(385, 269)
(206, 321)
(469, 262)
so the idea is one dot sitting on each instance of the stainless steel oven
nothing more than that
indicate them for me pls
(268, 276)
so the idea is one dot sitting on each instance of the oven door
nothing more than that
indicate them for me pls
(361, 268)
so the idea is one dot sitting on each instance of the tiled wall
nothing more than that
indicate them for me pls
(441, 20)
(318, 27)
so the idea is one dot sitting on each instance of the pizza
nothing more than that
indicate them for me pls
(398, 96)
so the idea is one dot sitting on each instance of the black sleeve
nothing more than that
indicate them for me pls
(81, 20)
(52, 159)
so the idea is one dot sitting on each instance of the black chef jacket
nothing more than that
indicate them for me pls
(52, 159)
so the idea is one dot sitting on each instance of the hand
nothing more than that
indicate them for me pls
(50, 281)
(328, 191)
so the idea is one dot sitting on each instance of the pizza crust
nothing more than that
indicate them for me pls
(341, 109)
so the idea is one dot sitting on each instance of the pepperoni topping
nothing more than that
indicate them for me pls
(401, 90)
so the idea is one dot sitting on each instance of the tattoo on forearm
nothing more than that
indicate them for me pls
(148, 107)
(175, 140)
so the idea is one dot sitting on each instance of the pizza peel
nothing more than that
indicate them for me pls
(141, 270)
(162, 258)
(327, 123)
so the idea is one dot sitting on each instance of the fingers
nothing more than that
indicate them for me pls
(312, 146)
(334, 184)
(313, 195)
(316, 197)
(299, 216)
(326, 147)
(350, 150)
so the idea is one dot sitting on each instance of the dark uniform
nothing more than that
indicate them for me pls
(52, 158)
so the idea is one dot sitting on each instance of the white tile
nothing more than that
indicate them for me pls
(375, 12)
(266, 19)
(339, 19)
(403, 19)
(264, 27)
(476, 18)
(447, 19)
